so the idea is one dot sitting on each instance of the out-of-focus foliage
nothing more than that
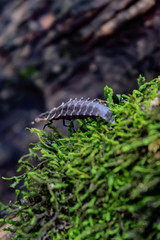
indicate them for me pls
(102, 182)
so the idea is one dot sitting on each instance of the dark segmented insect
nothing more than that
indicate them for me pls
(77, 108)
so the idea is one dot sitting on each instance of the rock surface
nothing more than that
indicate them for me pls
(53, 50)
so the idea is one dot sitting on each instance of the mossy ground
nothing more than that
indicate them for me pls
(102, 182)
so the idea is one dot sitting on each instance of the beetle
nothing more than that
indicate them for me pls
(77, 109)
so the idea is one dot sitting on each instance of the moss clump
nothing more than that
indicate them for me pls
(102, 182)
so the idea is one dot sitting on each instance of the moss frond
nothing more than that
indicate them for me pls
(102, 182)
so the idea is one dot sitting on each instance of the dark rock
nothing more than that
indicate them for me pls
(53, 50)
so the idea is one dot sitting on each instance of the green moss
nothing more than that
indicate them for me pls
(102, 182)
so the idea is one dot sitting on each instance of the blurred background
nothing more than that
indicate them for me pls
(53, 50)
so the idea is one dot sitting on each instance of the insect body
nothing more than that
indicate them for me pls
(77, 108)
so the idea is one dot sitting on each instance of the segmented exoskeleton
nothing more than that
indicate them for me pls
(77, 108)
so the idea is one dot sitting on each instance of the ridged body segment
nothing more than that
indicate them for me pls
(78, 108)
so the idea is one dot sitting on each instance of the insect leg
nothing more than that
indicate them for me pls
(70, 125)
(47, 124)
(64, 123)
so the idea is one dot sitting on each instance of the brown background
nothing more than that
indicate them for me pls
(51, 51)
